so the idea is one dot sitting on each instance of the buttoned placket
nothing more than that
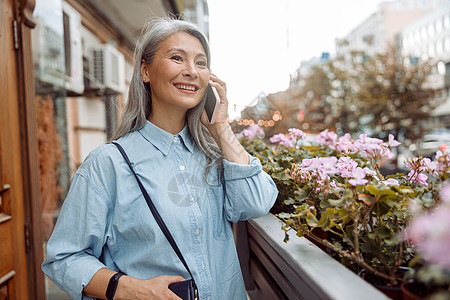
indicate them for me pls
(194, 212)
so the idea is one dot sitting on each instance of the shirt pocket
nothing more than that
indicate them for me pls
(221, 226)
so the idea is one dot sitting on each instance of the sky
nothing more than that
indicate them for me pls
(257, 44)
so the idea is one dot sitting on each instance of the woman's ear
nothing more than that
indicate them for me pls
(144, 72)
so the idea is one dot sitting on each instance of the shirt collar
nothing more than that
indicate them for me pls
(162, 139)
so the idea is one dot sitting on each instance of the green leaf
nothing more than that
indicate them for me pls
(311, 220)
(301, 194)
(367, 199)
(336, 202)
(383, 232)
(284, 215)
(370, 247)
(381, 190)
(325, 221)
(289, 201)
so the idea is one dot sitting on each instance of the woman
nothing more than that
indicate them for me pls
(197, 174)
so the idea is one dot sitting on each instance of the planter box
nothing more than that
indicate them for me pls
(294, 270)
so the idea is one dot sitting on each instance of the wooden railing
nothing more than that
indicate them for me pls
(297, 269)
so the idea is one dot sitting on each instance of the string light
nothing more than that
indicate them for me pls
(266, 123)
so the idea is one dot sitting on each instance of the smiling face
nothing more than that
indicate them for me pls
(178, 74)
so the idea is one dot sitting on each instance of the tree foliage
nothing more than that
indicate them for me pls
(382, 94)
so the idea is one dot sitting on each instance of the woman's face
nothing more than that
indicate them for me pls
(178, 75)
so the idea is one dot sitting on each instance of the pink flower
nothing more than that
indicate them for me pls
(251, 132)
(418, 164)
(283, 139)
(327, 138)
(392, 142)
(372, 147)
(440, 154)
(390, 181)
(364, 140)
(277, 138)
(369, 172)
(358, 177)
(307, 162)
(345, 145)
(434, 168)
(419, 178)
(431, 235)
(345, 166)
(445, 193)
(326, 165)
(297, 133)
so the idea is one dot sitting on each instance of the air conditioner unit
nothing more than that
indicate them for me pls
(73, 50)
(106, 71)
(48, 47)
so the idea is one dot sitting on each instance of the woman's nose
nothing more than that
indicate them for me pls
(190, 70)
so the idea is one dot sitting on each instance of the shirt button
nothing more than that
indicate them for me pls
(197, 232)
(182, 168)
(191, 199)
(203, 267)
(175, 139)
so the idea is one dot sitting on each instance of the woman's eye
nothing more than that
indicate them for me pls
(201, 63)
(177, 58)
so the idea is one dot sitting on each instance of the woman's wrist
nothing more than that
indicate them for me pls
(123, 288)
(220, 130)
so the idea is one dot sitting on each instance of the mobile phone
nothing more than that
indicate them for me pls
(211, 103)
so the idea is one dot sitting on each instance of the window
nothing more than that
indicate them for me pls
(430, 29)
(446, 21)
(439, 46)
(447, 43)
(423, 33)
(438, 25)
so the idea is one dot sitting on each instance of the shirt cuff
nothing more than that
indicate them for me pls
(234, 171)
(84, 268)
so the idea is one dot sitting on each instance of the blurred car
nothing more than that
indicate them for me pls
(432, 142)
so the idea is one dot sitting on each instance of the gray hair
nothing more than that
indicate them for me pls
(139, 104)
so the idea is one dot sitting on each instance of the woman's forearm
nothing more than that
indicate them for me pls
(99, 283)
(231, 149)
(130, 287)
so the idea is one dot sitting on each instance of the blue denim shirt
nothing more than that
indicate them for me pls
(105, 214)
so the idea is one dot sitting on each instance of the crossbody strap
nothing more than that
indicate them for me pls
(155, 213)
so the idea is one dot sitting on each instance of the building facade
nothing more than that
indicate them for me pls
(428, 38)
(66, 69)
(379, 30)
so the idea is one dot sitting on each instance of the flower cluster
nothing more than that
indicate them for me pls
(336, 186)
(289, 140)
(252, 132)
(320, 168)
(418, 166)
(430, 231)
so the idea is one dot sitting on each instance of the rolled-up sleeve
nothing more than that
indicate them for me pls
(77, 240)
(249, 191)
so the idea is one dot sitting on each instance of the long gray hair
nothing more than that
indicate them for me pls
(139, 104)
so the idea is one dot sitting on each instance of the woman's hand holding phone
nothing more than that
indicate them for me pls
(216, 105)
(221, 130)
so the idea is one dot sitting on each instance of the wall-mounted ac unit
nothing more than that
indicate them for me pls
(48, 47)
(106, 73)
(73, 50)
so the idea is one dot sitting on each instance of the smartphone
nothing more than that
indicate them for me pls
(211, 103)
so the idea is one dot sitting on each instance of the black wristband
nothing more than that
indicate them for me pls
(112, 286)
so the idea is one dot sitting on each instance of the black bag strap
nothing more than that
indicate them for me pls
(155, 213)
